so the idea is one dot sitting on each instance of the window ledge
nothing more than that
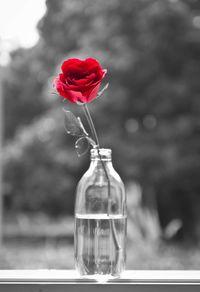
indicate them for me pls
(68, 280)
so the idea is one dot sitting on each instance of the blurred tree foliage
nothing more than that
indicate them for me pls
(149, 116)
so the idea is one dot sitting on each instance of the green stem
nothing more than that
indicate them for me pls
(94, 133)
(91, 124)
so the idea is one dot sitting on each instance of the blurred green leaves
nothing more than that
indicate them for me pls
(149, 116)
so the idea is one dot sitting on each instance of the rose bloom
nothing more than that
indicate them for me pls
(80, 80)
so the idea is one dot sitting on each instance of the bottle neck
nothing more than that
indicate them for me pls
(99, 156)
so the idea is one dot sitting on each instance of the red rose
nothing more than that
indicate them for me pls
(80, 80)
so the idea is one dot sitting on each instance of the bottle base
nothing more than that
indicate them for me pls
(100, 278)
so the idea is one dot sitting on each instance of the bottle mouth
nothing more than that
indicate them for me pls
(101, 154)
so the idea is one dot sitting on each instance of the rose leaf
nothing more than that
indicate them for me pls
(82, 146)
(81, 125)
(72, 124)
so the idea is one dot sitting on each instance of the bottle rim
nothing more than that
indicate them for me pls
(105, 153)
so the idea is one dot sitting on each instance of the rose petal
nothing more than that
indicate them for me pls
(92, 93)
(74, 96)
(80, 79)
(70, 62)
(85, 81)
(92, 63)
(63, 90)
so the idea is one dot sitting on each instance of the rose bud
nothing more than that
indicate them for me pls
(80, 80)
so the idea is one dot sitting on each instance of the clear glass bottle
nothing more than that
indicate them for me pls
(100, 220)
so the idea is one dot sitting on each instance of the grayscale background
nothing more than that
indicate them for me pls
(149, 116)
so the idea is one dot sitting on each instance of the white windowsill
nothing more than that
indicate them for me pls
(68, 280)
(69, 276)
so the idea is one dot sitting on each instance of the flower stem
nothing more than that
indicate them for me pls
(91, 124)
(94, 133)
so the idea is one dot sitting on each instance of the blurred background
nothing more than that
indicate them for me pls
(149, 116)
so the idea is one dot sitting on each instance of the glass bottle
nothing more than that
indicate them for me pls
(100, 219)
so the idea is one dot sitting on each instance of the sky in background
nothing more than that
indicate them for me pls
(18, 21)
